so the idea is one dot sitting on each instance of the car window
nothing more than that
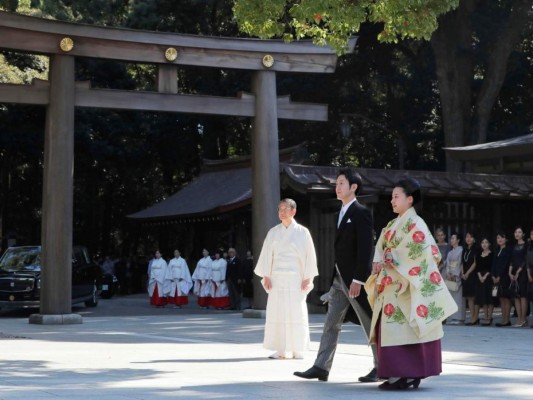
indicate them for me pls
(21, 259)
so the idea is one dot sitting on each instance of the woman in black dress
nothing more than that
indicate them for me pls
(529, 260)
(499, 271)
(518, 276)
(484, 282)
(468, 275)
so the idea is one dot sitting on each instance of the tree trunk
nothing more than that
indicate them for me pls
(452, 47)
(505, 41)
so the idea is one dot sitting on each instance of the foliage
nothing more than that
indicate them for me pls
(331, 22)
(386, 92)
(124, 161)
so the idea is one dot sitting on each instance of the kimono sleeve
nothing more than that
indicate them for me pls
(186, 272)
(264, 263)
(378, 252)
(310, 264)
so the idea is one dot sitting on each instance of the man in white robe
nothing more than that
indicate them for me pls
(203, 286)
(220, 298)
(287, 265)
(156, 284)
(179, 281)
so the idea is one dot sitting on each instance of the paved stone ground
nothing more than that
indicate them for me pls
(127, 350)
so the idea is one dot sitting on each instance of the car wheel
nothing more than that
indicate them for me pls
(93, 302)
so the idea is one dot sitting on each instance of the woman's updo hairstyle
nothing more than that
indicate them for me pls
(411, 187)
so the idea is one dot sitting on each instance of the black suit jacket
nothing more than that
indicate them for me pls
(234, 270)
(354, 248)
(353, 243)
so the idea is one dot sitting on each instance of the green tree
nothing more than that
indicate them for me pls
(472, 45)
(332, 22)
(124, 161)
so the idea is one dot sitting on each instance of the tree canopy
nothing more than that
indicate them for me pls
(473, 42)
(398, 99)
(332, 22)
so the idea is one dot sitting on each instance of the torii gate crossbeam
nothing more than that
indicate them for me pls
(63, 42)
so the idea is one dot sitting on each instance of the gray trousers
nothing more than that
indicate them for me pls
(337, 308)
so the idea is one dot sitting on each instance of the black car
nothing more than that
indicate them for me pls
(109, 284)
(20, 277)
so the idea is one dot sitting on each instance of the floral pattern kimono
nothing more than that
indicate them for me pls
(410, 296)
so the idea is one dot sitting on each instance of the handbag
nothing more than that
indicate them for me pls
(495, 290)
(452, 285)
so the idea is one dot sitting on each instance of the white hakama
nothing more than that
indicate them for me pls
(288, 257)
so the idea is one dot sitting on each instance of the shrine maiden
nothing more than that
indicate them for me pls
(179, 280)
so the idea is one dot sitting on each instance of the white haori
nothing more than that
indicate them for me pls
(201, 276)
(158, 275)
(179, 277)
(218, 276)
(288, 257)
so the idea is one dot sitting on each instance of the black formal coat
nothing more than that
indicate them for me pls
(234, 270)
(354, 249)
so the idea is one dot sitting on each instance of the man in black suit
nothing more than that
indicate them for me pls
(234, 279)
(353, 256)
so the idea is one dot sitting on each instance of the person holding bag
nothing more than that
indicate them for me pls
(452, 276)
(500, 277)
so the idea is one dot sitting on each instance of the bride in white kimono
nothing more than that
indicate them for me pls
(287, 265)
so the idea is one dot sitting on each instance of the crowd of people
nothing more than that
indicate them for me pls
(401, 291)
(219, 282)
(482, 274)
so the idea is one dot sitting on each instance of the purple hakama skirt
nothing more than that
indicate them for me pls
(410, 360)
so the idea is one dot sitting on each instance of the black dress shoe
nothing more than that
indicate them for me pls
(400, 384)
(371, 377)
(314, 372)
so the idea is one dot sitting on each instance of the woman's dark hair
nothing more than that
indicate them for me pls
(458, 236)
(501, 233)
(411, 187)
(485, 237)
(471, 233)
(352, 177)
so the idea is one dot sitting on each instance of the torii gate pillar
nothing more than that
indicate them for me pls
(56, 234)
(265, 168)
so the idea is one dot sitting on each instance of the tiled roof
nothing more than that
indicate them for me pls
(434, 183)
(222, 190)
(210, 193)
(514, 147)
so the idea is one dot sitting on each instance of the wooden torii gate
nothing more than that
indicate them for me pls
(63, 42)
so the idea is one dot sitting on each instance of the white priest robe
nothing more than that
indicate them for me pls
(288, 257)
(179, 281)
